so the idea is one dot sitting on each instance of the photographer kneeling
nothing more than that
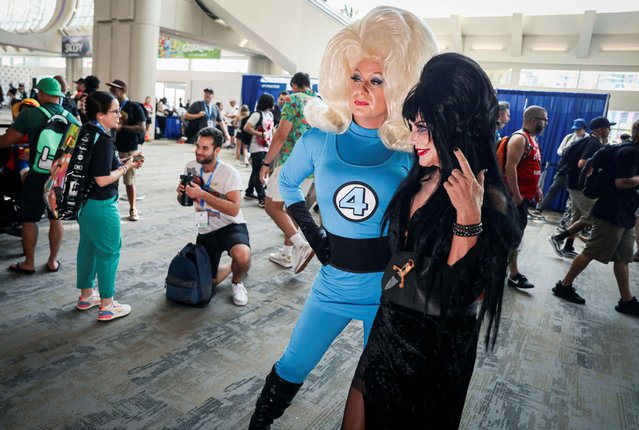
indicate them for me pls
(213, 188)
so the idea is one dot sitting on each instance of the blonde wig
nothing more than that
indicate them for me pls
(400, 42)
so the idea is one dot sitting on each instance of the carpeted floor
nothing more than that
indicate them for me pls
(556, 365)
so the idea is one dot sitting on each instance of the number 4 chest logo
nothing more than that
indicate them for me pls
(355, 201)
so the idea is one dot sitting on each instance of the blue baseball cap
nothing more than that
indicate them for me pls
(578, 124)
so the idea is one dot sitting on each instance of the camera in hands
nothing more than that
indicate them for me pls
(186, 180)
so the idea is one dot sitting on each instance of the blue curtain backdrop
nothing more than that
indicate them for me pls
(562, 109)
(250, 89)
(253, 86)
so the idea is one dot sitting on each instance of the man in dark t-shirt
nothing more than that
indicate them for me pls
(581, 205)
(30, 122)
(67, 102)
(204, 113)
(612, 237)
(127, 138)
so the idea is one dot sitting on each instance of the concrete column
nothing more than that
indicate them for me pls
(261, 65)
(73, 71)
(125, 44)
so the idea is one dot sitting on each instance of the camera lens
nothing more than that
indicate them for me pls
(184, 199)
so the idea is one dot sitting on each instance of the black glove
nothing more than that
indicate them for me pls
(315, 235)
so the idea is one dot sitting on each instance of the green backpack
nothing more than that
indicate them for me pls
(49, 139)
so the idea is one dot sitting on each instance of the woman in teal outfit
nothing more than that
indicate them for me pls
(99, 217)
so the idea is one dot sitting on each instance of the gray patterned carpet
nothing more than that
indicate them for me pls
(556, 365)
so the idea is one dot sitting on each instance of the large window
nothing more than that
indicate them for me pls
(239, 65)
(83, 16)
(580, 79)
(499, 77)
(624, 122)
(617, 81)
(32, 61)
(175, 93)
(26, 16)
(179, 64)
(53, 62)
(549, 78)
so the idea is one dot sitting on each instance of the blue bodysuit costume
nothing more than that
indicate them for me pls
(355, 178)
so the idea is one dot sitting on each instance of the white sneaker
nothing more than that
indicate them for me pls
(113, 311)
(285, 261)
(85, 303)
(240, 295)
(303, 256)
(133, 215)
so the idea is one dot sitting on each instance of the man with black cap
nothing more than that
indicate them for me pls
(30, 122)
(581, 205)
(204, 113)
(612, 237)
(80, 87)
(559, 181)
(128, 137)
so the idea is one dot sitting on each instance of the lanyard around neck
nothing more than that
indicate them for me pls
(100, 126)
(208, 182)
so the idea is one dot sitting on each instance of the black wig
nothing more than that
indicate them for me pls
(457, 101)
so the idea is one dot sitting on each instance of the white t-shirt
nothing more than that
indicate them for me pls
(267, 125)
(224, 180)
(235, 111)
(568, 140)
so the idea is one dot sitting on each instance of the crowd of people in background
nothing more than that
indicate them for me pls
(264, 139)
(611, 218)
(405, 156)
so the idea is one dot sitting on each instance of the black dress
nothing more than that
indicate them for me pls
(415, 371)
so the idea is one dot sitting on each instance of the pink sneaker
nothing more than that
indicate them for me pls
(113, 311)
(85, 303)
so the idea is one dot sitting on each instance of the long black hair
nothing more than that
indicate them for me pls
(456, 99)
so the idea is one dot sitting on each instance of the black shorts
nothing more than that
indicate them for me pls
(32, 201)
(231, 130)
(218, 241)
(522, 218)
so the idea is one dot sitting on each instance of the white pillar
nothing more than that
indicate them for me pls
(73, 71)
(125, 44)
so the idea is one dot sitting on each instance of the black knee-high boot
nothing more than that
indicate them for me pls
(276, 396)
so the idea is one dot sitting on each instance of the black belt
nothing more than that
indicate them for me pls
(359, 255)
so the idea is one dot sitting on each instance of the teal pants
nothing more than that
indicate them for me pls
(99, 247)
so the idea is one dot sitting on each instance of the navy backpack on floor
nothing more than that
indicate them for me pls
(189, 280)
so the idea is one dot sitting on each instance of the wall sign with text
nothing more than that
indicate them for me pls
(76, 46)
(175, 48)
